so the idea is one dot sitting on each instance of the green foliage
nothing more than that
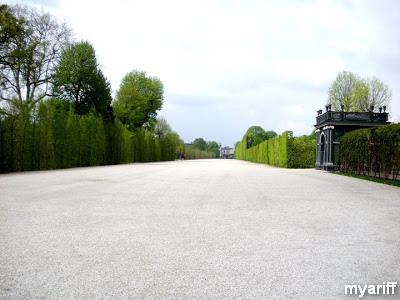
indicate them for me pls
(37, 133)
(270, 134)
(162, 128)
(200, 144)
(120, 144)
(56, 137)
(138, 100)
(214, 148)
(193, 153)
(255, 135)
(272, 151)
(341, 91)
(11, 29)
(302, 152)
(372, 151)
(31, 44)
(369, 178)
(78, 79)
(379, 93)
(358, 94)
(281, 151)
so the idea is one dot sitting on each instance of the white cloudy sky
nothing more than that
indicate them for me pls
(229, 64)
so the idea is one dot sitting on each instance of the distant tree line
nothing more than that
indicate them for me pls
(202, 145)
(56, 108)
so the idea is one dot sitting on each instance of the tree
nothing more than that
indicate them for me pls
(213, 147)
(379, 93)
(341, 91)
(271, 134)
(77, 78)
(162, 128)
(200, 144)
(358, 94)
(32, 42)
(138, 100)
(11, 30)
(255, 135)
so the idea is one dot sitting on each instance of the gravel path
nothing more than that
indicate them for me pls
(205, 229)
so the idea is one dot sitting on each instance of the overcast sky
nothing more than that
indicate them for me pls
(227, 65)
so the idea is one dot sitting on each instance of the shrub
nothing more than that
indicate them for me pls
(372, 151)
(281, 151)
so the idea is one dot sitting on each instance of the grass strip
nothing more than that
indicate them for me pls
(364, 177)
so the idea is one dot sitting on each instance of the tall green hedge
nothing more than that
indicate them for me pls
(55, 137)
(192, 153)
(272, 152)
(302, 152)
(281, 151)
(372, 151)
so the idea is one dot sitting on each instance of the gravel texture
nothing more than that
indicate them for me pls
(204, 229)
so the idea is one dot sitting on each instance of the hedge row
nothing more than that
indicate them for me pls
(302, 152)
(372, 151)
(197, 154)
(55, 137)
(282, 151)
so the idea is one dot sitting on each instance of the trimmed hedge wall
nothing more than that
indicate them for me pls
(302, 152)
(372, 151)
(282, 151)
(197, 154)
(54, 137)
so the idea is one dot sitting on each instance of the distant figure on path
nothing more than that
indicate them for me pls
(184, 157)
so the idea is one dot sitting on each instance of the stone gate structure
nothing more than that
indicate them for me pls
(331, 125)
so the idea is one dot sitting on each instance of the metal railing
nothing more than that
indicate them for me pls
(356, 117)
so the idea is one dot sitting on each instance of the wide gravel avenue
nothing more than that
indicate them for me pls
(202, 229)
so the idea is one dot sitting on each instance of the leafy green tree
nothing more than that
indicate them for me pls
(214, 148)
(138, 100)
(32, 42)
(341, 91)
(11, 33)
(358, 94)
(77, 78)
(162, 128)
(11, 30)
(200, 144)
(379, 94)
(255, 135)
(271, 134)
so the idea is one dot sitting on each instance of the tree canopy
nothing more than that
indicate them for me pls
(358, 94)
(138, 100)
(78, 79)
(214, 148)
(200, 144)
(162, 128)
(43, 74)
(256, 135)
(32, 42)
